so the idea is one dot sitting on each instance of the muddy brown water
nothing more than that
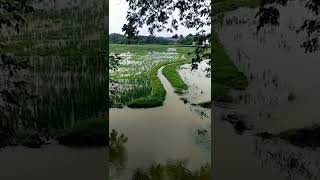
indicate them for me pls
(279, 66)
(53, 162)
(159, 134)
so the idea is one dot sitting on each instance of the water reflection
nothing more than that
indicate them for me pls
(118, 155)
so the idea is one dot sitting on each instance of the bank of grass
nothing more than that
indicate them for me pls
(91, 132)
(158, 92)
(226, 76)
(171, 73)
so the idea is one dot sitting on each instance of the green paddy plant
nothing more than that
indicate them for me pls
(158, 92)
(127, 91)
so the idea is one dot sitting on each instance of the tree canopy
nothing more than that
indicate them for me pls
(15, 91)
(269, 14)
(188, 40)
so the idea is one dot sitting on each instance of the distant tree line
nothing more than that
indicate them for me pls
(188, 40)
(115, 38)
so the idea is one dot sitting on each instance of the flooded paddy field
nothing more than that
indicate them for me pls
(282, 95)
(131, 79)
(173, 136)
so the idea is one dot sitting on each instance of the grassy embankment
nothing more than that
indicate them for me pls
(171, 73)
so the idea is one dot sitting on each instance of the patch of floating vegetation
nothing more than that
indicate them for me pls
(171, 73)
(304, 137)
(205, 104)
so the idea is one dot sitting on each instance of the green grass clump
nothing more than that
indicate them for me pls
(158, 92)
(226, 76)
(91, 132)
(171, 73)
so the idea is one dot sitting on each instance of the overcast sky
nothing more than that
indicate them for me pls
(117, 18)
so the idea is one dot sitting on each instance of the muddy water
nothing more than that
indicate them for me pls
(278, 66)
(53, 162)
(159, 134)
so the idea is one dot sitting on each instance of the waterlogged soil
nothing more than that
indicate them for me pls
(53, 162)
(283, 94)
(169, 132)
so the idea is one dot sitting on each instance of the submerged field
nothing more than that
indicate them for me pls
(170, 135)
(135, 83)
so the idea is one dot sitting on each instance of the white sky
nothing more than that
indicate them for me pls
(117, 18)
